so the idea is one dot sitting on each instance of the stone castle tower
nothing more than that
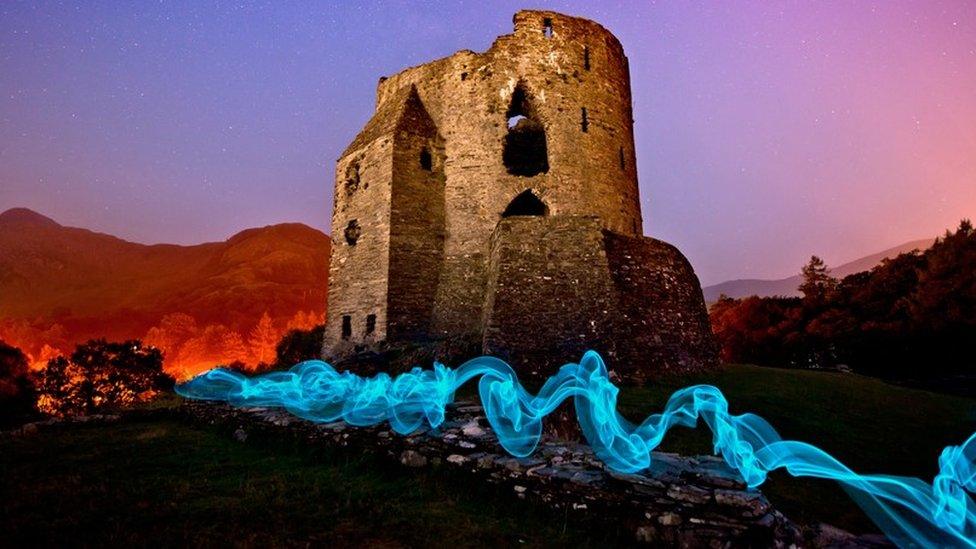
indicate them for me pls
(494, 195)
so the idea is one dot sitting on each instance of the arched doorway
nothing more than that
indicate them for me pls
(526, 203)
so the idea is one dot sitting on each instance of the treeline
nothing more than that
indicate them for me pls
(188, 345)
(101, 375)
(912, 317)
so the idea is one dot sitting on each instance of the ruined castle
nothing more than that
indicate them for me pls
(494, 196)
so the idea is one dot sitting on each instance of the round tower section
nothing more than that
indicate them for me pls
(577, 80)
(564, 77)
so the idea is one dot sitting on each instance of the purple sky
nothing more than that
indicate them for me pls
(765, 132)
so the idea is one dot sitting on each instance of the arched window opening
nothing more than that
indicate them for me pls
(547, 27)
(526, 203)
(353, 232)
(346, 326)
(426, 161)
(525, 152)
(370, 324)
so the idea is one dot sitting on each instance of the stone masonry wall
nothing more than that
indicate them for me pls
(550, 295)
(417, 223)
(468, 95)
(426, 188)
(662, 323)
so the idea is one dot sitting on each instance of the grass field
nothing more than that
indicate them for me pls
(162, 482)
(871, 426)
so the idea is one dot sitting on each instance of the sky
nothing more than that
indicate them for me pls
(766, 131)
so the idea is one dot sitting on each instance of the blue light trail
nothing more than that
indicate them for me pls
(908, 510)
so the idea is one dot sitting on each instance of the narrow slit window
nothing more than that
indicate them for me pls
(623, 162)
(547, 27)
(586, 58)
(346, 326)
(370, 324)
(426, 161)
(584, 120)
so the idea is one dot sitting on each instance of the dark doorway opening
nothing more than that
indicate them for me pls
(526, 203)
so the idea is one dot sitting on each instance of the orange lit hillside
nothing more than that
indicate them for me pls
(203, 305)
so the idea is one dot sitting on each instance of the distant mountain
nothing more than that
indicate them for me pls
(788, 286)
(94, 284)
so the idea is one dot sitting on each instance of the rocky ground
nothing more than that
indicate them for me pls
(681, 501)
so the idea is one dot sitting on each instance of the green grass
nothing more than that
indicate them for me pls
(159, 482)
(871, 426)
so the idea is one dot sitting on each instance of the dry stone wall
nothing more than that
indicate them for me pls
(680, 502)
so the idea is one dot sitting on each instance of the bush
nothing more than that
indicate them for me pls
(101, 375)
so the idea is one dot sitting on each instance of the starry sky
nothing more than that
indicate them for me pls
(765, 131)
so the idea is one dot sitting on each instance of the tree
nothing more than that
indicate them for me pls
(216, 344)
(262, 340)
(911, 318)
(173, 331)
(817, 283)
(298, 346)
(101, 374)
(304, 320)
(17, 395)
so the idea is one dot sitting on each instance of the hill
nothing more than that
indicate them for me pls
(87, 284)
(788, 286)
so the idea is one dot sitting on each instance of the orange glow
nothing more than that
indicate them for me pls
(188, 347)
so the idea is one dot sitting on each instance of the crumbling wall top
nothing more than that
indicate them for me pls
(529, 24)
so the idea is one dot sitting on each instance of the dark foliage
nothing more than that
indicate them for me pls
(17, 395)
(298, 346)
(911, 317)
(100, 375)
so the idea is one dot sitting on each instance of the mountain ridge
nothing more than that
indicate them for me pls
(94, 284)
(745, 287)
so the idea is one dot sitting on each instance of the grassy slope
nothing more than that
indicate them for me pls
(869, 425)
(164, 483)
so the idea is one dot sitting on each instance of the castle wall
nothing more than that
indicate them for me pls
(550, 294)
(358, 274)
(452, 143)
(662, 323)
(417, 226)
(468, 95)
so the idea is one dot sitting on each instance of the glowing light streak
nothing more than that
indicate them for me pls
(910, 511)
